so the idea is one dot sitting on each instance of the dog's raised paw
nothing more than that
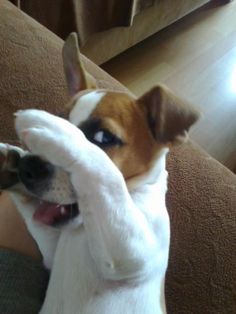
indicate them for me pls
(50, 137)
(9, 158)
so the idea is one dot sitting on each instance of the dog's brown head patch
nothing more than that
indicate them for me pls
(122, 116)
(131, 131)
(139, 129)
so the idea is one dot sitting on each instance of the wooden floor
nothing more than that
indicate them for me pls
(196, 58)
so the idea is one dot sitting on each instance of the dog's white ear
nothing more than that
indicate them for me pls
(168, 116)
(76, 76)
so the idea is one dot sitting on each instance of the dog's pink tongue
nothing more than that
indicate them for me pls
(48, 213)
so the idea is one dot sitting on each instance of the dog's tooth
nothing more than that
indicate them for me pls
(63, 210)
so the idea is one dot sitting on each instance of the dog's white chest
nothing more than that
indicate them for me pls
(79, 288)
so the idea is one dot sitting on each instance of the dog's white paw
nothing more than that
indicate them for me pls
(53, 138)
(33, 118)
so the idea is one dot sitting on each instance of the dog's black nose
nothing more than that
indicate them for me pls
(34, 172)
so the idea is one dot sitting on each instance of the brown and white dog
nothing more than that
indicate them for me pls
(92, 193)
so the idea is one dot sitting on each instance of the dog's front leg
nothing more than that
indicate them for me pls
(121, 241)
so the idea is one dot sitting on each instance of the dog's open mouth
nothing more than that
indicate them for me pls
(55, 214)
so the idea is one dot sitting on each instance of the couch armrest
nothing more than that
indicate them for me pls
(201, 201)
(201, 198)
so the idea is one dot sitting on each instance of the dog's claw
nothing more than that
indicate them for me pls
(15, 114)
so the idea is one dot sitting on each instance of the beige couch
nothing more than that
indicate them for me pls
(201, 199)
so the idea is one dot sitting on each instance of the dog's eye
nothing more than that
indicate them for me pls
(105, 138)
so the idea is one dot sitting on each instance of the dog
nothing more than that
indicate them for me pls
(92, 188)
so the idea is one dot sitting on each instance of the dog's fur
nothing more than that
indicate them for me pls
(113, 256)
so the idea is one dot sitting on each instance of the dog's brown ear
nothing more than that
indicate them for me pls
(168, 116)
(76, 76)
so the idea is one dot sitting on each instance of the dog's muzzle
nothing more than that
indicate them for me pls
(52, 186)
(35, 173)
